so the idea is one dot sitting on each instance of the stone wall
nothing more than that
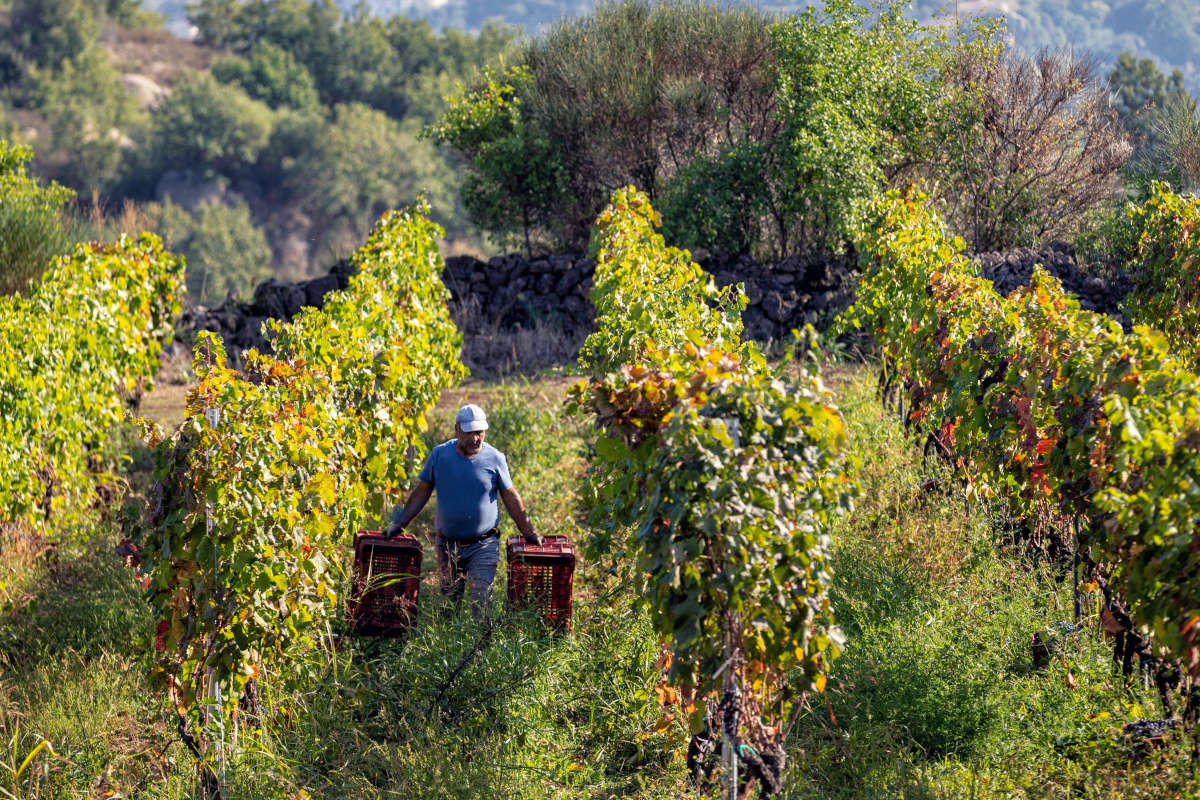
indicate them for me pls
(1012, 268)
(240, 323)
(511, 291)
(550, 294)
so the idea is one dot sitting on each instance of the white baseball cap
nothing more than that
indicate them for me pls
(471, 418)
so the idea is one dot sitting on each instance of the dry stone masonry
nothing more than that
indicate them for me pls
(1012, 268)
(514, 292)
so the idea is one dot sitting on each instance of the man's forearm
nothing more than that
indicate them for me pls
(516, 510)
(416, 502)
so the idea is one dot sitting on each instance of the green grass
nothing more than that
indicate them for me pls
(935, 696)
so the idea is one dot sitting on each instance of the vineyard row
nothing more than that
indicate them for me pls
(728, 476)
(1051, 408)
(84, 340)
(275, 464)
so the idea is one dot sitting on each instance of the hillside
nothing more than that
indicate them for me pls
(1167, 31)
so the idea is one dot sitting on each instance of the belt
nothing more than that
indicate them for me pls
(469, 539)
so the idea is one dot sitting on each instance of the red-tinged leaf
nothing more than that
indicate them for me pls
(1037, 478)
(1045, 446)
(160, 633)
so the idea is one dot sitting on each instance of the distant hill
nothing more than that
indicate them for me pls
(1166, 30)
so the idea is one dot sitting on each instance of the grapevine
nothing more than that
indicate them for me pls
(275, 466)
(1166, 269)
(730, 475)
(1051, 408)
(88, 334)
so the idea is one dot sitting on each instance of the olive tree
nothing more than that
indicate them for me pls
(629, 94)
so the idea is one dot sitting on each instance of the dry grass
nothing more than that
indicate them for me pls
(491, 350)
(158, 54)
(165, 405)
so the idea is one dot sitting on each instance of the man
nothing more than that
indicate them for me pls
(469, 477)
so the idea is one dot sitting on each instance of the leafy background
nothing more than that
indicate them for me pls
(1166, 30)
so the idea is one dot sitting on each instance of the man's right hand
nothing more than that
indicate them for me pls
(392, 531)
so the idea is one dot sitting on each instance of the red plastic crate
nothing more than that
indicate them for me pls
(541, 576)
(386, 584)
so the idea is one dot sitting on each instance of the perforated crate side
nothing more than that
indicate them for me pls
(386, 584)
(542, 577)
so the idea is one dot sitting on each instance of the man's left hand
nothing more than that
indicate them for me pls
(533, 538)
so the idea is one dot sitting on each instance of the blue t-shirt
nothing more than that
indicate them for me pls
(467, 488)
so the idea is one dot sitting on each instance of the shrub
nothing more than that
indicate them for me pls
(31, 220)
(720, 203)
(1163, 269)
(1031, 145)
(227, 255)
(1174, 153)
(1056, 410)
(276, 464)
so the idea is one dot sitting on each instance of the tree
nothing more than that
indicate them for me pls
(43, 33)
(428, 65)
(270, 74)
(1031, 145)
(31, 220)
(857, 89)
(514, 184)
(226, 253)
(1138, 88)
(218, 22)
(307, 30)
(88, 110)
(207, 125)
(359, 164)
(366, 69)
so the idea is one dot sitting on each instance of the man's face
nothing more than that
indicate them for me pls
(469, 443)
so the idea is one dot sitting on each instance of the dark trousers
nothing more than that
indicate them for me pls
(460, 564)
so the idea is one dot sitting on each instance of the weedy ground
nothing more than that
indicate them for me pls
(935, 696)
